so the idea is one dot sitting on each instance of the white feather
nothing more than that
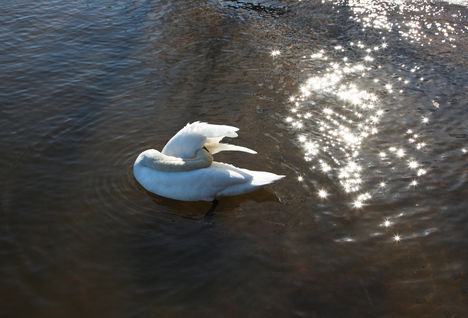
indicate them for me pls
(206, 184)
(193, 137)
(214, 148)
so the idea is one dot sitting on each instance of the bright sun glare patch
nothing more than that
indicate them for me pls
(323, 194)
(275, 52)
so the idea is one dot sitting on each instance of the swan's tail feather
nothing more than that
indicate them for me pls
(261, 178)
(215, 147)
(256, 179)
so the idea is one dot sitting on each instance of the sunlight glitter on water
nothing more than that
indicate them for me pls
(344, 125)
(336, 112)
(323, 194)
(275, 52)
(375, 15)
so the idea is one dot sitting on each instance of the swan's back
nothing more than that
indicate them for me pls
(220, 179)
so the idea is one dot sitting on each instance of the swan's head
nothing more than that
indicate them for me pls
(158, 161)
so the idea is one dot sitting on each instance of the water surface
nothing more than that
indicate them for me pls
(362, 104)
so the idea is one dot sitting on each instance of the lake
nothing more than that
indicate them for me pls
(361, 104)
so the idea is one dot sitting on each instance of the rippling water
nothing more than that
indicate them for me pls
(362, 104)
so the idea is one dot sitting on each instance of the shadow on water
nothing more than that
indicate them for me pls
(197, 210)
(258, 7)
(158, 246)
(221, 262)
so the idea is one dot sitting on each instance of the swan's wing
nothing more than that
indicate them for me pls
(215, 147)
(196, 135)
(229, 180)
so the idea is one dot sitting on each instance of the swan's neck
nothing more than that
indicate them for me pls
(161, 162)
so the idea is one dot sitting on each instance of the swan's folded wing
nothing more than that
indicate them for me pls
(193, 137)
(230, 180)
(212, 131)
(221, 175)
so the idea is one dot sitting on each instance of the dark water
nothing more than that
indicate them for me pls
(362, 104)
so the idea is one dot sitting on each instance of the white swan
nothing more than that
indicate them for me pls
(185, 169)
